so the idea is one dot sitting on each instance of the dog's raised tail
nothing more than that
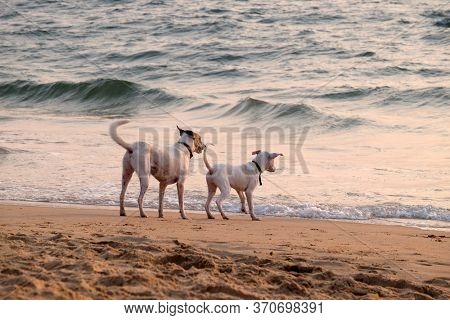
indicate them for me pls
(205, 160)
(113, 133)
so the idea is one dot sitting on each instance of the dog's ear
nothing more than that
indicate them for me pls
(256, 152)
(188, 132)
(274, 155)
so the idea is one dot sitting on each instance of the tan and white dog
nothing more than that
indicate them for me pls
(169, 165)
(243, 179)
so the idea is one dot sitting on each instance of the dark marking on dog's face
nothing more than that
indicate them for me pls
(271, 163)
(267, 158)
(270, 166)
(188, 132)
(198, 144)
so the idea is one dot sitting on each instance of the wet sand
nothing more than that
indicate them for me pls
(92, 253)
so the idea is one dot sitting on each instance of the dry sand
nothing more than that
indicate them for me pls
(92, 253)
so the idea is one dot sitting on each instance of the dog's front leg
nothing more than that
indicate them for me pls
(242, 198)
(249, 196)
(180, 189)
(162, 190)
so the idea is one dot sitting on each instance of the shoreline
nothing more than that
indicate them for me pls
(439, 225)
(72, 253)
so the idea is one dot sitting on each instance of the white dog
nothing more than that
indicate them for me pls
(243, 179)
(168, 166)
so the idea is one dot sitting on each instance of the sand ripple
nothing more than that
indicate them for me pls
(66, 266)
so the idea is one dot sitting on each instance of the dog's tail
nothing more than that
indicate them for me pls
(205, 160)
(115, 136)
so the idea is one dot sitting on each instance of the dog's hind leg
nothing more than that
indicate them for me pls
(162, 190)
(242, 197)
(144, 186)
(127, 173)
(224, 193)
(211, 192)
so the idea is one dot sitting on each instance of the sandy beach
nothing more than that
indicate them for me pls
(92, 253)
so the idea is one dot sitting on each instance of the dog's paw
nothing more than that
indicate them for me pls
(225, 218)
(256, 219)
(211, 217)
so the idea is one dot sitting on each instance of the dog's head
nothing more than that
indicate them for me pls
(198, 145)
(266, 159)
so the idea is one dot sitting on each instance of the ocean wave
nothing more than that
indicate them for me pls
(424, 72)
(382, 211)
(255, 109)
(259, 111)
(220, 25)
(441, 17)
(351, 93)
(99, 96)
(445, 23)
(432, 72)
(228, 73)
(99, 89)
(425, 97)
(4, 151)
(436, 13)
(215, 10)
(388, 96)
(295, 209)
(5, 118)
(143, 55)
(224, 58)
(365, 54)
(317, 17)
(281, 207)
(393, 70)
(326, 211)
(8, 14)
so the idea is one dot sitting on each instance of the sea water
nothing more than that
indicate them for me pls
(356, 95)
